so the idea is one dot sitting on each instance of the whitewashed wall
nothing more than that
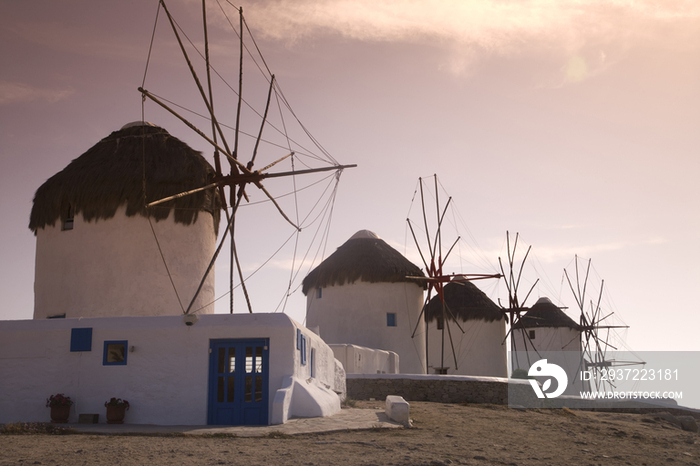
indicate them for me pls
(356, 314)
(548, 339)
(559, 345)
(166, 376)
(361, 360)
(480, 350)
(109, 268)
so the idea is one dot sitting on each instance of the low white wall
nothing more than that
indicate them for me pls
(440, 388)
(361, 360)
(166, 376)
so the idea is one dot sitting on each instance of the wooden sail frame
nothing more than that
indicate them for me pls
(512, 281)
(240, 175)
(436, 279)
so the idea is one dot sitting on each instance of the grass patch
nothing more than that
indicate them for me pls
(277, 434)
(35, 428)
(349, 403)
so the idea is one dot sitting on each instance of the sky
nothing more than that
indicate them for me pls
(575, 124)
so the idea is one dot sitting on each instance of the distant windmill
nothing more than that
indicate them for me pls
(595, 331)
(589, 337)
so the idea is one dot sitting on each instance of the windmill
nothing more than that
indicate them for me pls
(240, 174)
(434, 261)
(595, 330)
(589, 338)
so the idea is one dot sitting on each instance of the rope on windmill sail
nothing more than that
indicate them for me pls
(148, 213)
(266, 73)
(301, 150)
(162, 256)
(145, 198)
(326, 212)
(150, 47)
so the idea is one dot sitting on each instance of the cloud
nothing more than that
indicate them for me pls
(13, 92)
(555, 253)
(488, 24)
(583, 35)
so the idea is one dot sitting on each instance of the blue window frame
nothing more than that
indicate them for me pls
(81, 339)
(115, 353)
(313, 364)
(391, 319)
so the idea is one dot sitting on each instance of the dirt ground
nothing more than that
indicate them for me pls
(442, 434)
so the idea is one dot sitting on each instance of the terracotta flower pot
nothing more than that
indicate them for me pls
(59, 414)
(115, 414)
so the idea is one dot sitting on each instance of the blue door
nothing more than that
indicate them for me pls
(238, 382)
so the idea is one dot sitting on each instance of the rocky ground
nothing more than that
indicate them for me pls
(442, 434)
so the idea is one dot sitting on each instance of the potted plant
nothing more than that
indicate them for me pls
(60, 407)
(116, 408)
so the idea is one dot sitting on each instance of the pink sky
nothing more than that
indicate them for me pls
(576, 124)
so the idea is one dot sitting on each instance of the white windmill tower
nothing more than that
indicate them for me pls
(361, 295)
(100, 252)
(546, 332)
(476, 350)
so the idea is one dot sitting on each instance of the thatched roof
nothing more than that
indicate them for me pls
(545, 314)
(110, 174)
(466, 302)
(363, 257)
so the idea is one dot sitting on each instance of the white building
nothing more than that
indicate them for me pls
(545, 331)
(470, 323)
(109, 323)
(225, 369)
(360, 295)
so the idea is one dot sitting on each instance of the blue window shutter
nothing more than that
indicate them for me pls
(303, 350)
(81, 339)
(390, 319)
